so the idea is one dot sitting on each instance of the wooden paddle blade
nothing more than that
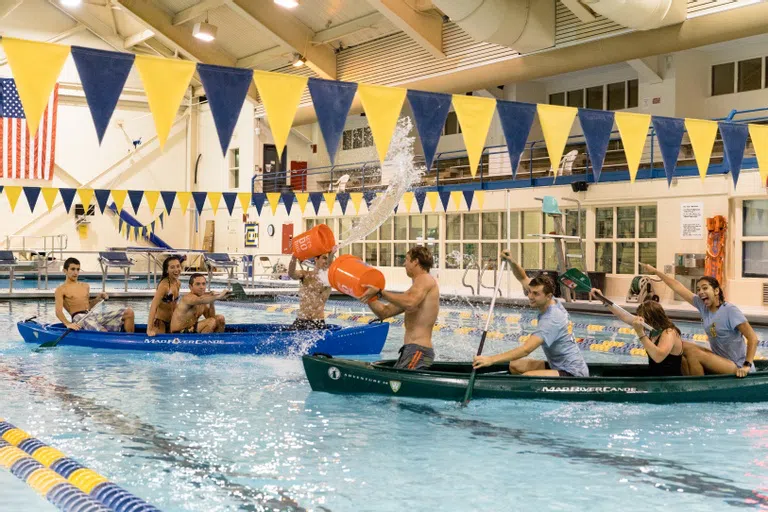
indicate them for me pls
(575, 279)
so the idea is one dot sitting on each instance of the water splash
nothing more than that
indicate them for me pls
(404, 175)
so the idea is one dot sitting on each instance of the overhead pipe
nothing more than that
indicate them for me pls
(640, 14)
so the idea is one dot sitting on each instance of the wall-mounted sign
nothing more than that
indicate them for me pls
(691, 221)
(251, 234)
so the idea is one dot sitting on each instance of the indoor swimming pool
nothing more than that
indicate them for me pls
(217, 433)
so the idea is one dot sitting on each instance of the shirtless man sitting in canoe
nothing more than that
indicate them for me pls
(313, 293)
(74, 297)
(195, 304)
(420, 303)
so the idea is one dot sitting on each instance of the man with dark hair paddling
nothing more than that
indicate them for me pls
(74, 297)
(195, 304)
(552, 334)
(420, 303)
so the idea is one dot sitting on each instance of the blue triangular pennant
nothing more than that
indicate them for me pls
(199, 198)
(168, 198)
(103, 75)
(135, 196)
(288, 198)
(102, 198)
(316, 198)
(161, 221)
(343, 199)
(445, 197)
(734, 143)
(468, 196)
(258, 199)
(369, 197)
(420, 196)
(229, 200)
(225, 89)
(516, 120)
(331, 99)
(430, 110)
(67, 195)
(596, 126)
(32, 194)
(669, 131)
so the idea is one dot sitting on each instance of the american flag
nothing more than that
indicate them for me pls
(23, 156)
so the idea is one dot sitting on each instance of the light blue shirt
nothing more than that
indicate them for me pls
(721, 328)
(559, 346)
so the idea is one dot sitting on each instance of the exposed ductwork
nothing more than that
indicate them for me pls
(523, 25)
(640, 14)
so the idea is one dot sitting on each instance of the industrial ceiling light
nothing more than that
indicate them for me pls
(204, 31)
(71, 3)
(288, 4)
(299, 61)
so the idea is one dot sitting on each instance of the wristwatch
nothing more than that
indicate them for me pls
(380, 295)
(748, 364)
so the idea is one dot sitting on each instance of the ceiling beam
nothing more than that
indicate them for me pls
(350, 27)
(94, 24)
(647, 69)
(7, 6)
(426, 29)
(288, 31)
(138, 38)
(579, 10)
(256, 59)
(196, 10)
(58, 37)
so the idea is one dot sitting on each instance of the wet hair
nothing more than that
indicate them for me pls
(714, 283)
(167, 263)
(195, 276)
(423, 256)
(652, 312)
(545, 281)
(70, 261)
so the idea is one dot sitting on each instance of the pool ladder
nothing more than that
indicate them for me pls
(472, 263)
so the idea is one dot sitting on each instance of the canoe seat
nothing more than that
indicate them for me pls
(115, 259)
(216, 260)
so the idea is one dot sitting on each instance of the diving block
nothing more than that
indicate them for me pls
(117, 260)
(7, 259)
(220, 260)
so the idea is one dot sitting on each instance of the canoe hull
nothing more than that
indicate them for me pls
(450, 381)
(267, 339)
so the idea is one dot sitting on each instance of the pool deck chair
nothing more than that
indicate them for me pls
(7, 259)
(114, 259)
(220, 260)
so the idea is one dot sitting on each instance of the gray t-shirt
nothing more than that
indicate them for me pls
(559, 346)
(721, 328)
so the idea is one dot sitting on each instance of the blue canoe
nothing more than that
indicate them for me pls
(271, 339)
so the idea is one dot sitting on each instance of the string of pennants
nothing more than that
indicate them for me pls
(141, 231)
(36, 67)
(171, 199)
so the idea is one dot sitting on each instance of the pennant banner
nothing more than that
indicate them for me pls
(168, 199)
(302, 198)
(288, 198)
(596, 126)
(214, 198)
(258, 199)
(226, 89)
(445, 197)
(702, 135)
(184, 198)
(152, 197)
(229, 200)
(68, 196)
(734, 143)
(357, 200)
(669, 131)
(430, 110)
(456, 196)
(280, 94)
(13, 193)
(332, 100)
(118, 196)
(32, 194)
(759, 135)
(468, 196)
(330, 200)
(432, 197)
(480, 195)
(343, 199)
(633, 129)
(199, 198)
(245, 199)
(474, 114)
(274, 201)
(420, 195)
(85, 195)
(382, 107)
(135, 197)
(408, 200)
(556, 125)
(102, 198)
(516, 121)
(50, 194)
(316, 198)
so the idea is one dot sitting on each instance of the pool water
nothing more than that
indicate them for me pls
(219, 433)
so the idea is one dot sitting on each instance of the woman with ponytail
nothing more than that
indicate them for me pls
(166, 297)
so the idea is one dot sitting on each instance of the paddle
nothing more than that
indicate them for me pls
(575, 279)
(473, 375)
(52, 344)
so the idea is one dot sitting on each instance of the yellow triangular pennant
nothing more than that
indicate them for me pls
(382, 108)
(480, 199)
(35, 67)
(556, 122)
(280, 94)
(184, 198)
(456, 195)
(702, 136)
(152, 196)
(245, 200)
(118, 196)
(214, 198)
(165, 82)
(408, 200)
(13, 194)
(85, 195)
(49, 194)
(302, 198)
(433, 197)
(274, 200)
(475, 114)
(759, 135)
(330, 200)
(357, 200)
(633, 129)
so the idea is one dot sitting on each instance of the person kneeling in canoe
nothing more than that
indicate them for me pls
(195, 304)
(166, 297)
(313, 293)
(725, 325)
(664, 346)
(552, 334)
(74, 297)
(420, 303)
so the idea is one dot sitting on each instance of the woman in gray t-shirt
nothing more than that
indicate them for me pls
(725, 325)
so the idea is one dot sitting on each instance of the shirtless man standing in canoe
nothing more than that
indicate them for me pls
(74, 297)
(313, 293)
(420, 303)
(195, 304)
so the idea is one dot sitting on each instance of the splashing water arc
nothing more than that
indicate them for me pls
(404, 175)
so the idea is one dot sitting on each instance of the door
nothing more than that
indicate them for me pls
(287, 238)
(298, 175)
(274, 175)
(233, 235)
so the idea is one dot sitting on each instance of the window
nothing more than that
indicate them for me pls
(356, 138)
(616, 96)
(397, 234)
(750, 75)
(234, 168)
(633, 240)
(722, 78)
(632, 92)
(346, 140)
(620, 95)
(557, 99)
(576, 98)
(755, 234)
(452, 126)
(595, 97)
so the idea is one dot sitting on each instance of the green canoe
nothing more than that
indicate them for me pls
(607, 383)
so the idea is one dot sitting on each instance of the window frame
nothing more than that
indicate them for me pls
(614, 240)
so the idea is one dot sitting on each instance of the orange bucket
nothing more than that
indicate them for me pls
(310, 244)
(349, 274)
